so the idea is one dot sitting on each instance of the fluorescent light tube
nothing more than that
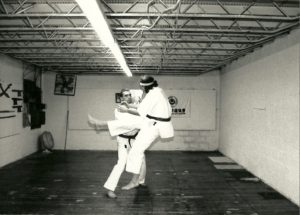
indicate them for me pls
(92, 10)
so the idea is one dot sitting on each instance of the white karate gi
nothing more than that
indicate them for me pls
(123, 149)
(124, 124)
(154, 105)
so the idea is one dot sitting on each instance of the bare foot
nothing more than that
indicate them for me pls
(130, 186)
(91, 120)
(98, 124)
(110, 194)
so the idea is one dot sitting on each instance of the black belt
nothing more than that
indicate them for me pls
(159, 119)
(129, 137)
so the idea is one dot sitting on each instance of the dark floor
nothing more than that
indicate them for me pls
(177, 183)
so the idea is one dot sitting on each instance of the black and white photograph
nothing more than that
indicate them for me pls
(118, 97)
(149, 107)
(65, 85)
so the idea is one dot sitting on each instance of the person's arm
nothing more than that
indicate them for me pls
(130, 105)
(125, 109)
(134, 106)
(133, 111)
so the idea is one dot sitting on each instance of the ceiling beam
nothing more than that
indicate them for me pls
(89, 54)
(123, 47)
(166, 57)
(198, 16)
(202, 16)
(126, 29)
(165, 40)
(34, 29)
(132, 64)
(138, 67)
(187, 61)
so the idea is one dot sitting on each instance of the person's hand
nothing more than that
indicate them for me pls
(122, 109)
(125, 104)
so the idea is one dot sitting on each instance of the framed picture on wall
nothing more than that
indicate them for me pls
(118, 97)
(65, 85)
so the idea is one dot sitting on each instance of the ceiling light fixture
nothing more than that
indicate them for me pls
(95, 15)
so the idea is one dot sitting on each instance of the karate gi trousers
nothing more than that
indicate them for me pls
(123, 149)
(149, 132)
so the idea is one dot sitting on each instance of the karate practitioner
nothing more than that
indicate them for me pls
(125, 142)
(154, 121)
(155, 111)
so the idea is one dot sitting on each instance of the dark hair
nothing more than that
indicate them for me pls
(150, 87)
(148, 82)
(124, 90)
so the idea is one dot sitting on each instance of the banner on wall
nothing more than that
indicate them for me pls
(10, 100)
(10, 105)
(180, 102)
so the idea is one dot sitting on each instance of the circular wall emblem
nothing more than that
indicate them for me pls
(173, 101)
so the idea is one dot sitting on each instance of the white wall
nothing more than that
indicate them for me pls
(19, 142)
(260, 114)
(57, 106)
